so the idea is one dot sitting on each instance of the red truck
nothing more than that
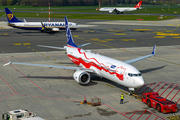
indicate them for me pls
(161, 104)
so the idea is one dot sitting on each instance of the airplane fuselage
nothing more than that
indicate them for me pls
(112, 69)
(121, 9)
(38, 25)
(118, 9)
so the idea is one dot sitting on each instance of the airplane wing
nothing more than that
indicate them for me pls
(141, 58)
(50, 66)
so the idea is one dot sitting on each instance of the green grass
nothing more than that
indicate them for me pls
(92, 16)
(145, 9)
(40, 7)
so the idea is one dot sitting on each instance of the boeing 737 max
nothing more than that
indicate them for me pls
(121, 9)
(88, 62)
(43, 26)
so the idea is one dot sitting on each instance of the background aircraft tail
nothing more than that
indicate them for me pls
(11, 17)
(138, 5)
(70, 41)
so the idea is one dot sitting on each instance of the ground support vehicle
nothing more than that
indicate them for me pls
(163, 105)
(20, 114)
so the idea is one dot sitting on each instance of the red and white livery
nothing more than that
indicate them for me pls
(121, 9)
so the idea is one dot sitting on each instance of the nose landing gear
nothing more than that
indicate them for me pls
(131, 91)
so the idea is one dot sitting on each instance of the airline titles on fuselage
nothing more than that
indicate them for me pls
(46, 24)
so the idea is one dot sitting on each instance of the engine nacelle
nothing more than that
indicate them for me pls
(110, 11)
(82, 77)
(55, 29)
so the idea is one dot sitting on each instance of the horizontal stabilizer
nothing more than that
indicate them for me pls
(4, 22)
(83, 45)
(24, 20)
(52, 47)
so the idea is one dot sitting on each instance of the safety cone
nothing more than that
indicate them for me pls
(84, 102)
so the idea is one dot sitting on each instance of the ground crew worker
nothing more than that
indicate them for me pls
(122, 97)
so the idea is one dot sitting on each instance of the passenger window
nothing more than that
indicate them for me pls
(19, 116)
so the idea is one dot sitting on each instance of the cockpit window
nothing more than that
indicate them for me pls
(134, 75)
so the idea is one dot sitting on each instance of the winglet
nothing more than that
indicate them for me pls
(7, 63)
(154, 50)
(43, 29)
(42, 24)
(8, 60)
(70, 41)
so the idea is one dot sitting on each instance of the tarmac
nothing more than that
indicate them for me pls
(53, 94)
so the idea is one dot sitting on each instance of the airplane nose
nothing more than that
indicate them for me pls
(140, 82)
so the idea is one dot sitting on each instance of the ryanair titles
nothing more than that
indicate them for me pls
(55, 24)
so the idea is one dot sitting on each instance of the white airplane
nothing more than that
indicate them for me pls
(42, 26)
(120, 72)
(121, 9)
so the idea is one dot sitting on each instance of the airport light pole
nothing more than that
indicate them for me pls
(49, 12)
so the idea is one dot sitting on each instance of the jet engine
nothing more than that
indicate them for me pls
(110, 11)
(82, 77)
(55, 29)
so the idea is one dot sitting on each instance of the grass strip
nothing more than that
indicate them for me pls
(92, 16)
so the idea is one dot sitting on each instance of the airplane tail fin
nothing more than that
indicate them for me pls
(11, 17)
(70, 41)
(138, 5)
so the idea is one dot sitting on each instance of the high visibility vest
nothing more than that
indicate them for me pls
(122, 96)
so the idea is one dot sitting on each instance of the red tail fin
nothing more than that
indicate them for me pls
(138, 5)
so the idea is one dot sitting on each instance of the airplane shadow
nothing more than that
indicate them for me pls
(34, 32)
(95, 79)
(50, 77)
(152, 69)
(60, 78)
(65, 63)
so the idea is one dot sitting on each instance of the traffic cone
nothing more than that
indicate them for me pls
(84, 102)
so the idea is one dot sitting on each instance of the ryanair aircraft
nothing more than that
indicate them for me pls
(42, 26)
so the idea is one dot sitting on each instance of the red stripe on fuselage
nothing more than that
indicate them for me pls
(79, 61)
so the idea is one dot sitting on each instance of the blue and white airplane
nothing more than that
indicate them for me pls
(42, 26)
(120, 72)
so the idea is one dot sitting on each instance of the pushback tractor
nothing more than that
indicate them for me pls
(161, 104)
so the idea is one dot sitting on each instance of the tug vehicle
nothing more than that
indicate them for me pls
(20, 114)
(161, 104)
